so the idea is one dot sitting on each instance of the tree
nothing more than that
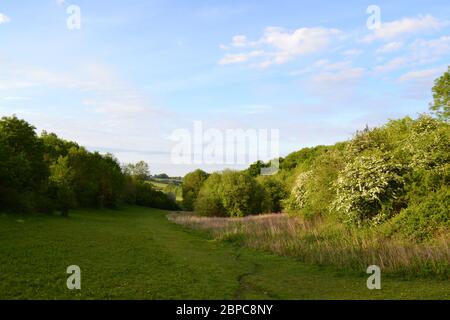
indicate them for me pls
(274, 193)
(441, 96)
(23, 171)
(209, 201)
(161, 176)
(255, 169)
(191, 186)
(60, 186)
(240, 193)
(139, 170)
(370, 188)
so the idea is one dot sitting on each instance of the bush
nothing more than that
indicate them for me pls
(146, 195)
(209, 201)
(428, 144)
(274, 192)
(192, 183)
(424, 217)
(231, 193)
(370, 189)
(298, 199)
(314, 190)
(241, 195)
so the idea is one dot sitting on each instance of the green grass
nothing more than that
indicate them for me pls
(138, 254)
(162, 186)
(159, 185)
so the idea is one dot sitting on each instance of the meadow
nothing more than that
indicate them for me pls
(137, 253)
(324, 242)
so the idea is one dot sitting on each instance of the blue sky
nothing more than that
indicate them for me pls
(137, 70)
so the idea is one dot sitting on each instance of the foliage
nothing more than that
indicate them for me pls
(441, 96)
(255, 169)
(370, 188)
(274, 191)
(303, 157)
(139, 170)
(47, 173)
(240, 193)
(299, 193)
(23, 171)
(191, 186)
(60, 185)
(428, 143)
(424, 218)
(231, 193)
(146, 195)
(209, 201)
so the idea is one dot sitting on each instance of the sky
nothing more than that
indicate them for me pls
(134, 72)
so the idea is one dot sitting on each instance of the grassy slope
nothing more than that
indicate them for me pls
(162, 186)
(138, 254)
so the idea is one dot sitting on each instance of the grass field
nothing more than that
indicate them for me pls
(164, 187)
(137, 253)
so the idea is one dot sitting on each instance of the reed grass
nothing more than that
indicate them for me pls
(324, 241)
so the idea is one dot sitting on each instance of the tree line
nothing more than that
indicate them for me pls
(44, 173)
(396, 176)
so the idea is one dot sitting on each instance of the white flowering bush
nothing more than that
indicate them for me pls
(299, 193)
(428, 143)
(369, 189)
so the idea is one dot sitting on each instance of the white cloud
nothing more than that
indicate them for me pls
(279, 46)
(428, 50)
(336, 73)
(331, 80)
(239, 41)
(4, 18)
(100, 88)
(417, 84)
(352, 52)
(421, 52)
(239, 57)
(392, 65)
(422, 75)
(390, 47)
(397, 28)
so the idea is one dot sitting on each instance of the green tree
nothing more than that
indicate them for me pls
(441, 96)
(209, 201)
(191, 186)
(274, 193)
(140, 170)
(23, 171)
(60, 185)
(240, 193)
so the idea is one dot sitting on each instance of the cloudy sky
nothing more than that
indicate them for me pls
(138, 70)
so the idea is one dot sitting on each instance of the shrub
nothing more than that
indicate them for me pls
(370, 189)
(241, 195)
(209, 202)
(231, 193)
(428, 143)
(424, 217)
(274, 192)
(146, 195)
(191, 186)
(299, 193)
(320, 187)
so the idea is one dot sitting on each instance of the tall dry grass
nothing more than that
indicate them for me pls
(327, 242)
